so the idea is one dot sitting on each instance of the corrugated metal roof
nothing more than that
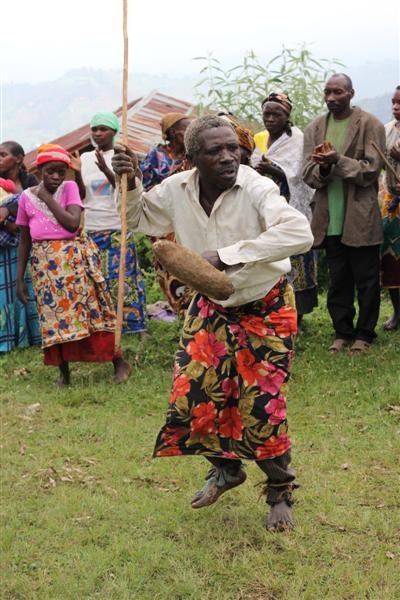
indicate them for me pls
(144, 116)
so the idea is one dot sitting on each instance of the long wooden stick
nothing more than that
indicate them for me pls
(124, 186)
(385, 160)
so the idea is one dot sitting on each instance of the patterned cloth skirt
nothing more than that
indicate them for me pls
(19, 324)
(73, 301)
(390, 250)
(109, 245)
(228, 398)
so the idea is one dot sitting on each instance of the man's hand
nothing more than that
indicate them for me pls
(326, 159)
(76, 163)
(125, 161)
(213, 258)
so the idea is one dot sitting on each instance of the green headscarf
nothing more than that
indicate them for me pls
(108, 119)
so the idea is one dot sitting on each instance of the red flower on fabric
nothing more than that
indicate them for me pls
(269, 377)
(284, 321)
(230, 388)
(276, 409)
(273, 446)
(246, 366)
(204, 415)
(181, 387)
(229, 455)
(207, 308)
(230, 423)
(206, 349)
(172, 435)
(254, 324)
(169, 452)
(239, 333)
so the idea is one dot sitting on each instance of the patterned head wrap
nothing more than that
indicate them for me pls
(282, 99)
(245, 135)
(169, 120)
(107, 119)
(52, 152)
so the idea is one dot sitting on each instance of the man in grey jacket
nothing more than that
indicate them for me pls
(343, 165)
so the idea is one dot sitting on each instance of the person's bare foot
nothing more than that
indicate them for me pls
(280, 518)
(392, 323)
(122, 370)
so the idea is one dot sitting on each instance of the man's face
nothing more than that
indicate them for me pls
(218, 159)
(338, 95)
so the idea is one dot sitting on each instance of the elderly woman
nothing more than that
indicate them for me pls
(19, 325)
(391, 217)
(77, 319)
(168, 158)
(96, 182)
(281, 159)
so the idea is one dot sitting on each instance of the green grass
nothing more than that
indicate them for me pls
(86, 513)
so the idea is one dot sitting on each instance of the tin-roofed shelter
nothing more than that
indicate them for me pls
(144, 116)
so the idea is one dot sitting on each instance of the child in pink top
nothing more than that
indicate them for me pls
(35, 213)
(76, 314)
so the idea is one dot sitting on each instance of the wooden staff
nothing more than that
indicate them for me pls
(123, 185)
(387, 163)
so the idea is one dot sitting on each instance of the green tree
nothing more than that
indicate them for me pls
(241, 89)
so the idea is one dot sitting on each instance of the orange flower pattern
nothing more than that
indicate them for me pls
(227, 398)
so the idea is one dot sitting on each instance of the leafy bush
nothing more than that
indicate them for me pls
(241, 89)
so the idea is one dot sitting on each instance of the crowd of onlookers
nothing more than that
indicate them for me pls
(60, 240)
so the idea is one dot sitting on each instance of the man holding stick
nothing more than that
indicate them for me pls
(342, 163)
(228, 400)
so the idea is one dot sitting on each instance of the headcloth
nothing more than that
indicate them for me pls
(245, 136)
(107, 119)
(169, 120)
(282, 99)
(50, 153)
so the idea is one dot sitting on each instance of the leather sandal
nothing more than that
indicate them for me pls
(338, 345)
(360, 346)
(218, 481)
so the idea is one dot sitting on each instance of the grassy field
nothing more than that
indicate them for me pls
(86, 513)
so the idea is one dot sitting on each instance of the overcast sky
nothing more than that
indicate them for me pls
(41, 40)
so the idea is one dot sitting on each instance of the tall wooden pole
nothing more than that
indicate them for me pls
(123, 185)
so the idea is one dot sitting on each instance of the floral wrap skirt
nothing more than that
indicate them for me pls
(228, 398)
(71, 293)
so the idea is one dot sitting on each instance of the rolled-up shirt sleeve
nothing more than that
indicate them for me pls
(287, 232)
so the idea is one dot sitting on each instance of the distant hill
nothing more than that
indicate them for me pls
(36, 113)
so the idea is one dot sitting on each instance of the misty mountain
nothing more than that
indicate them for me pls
(36, 113)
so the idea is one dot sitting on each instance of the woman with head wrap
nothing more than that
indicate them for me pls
(170, 157)
(279, 155)
(245, 137)
(162, 161)
(19, 324)
(76, 315)
(96, 182)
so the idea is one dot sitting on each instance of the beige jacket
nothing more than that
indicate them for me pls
(359, 166)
